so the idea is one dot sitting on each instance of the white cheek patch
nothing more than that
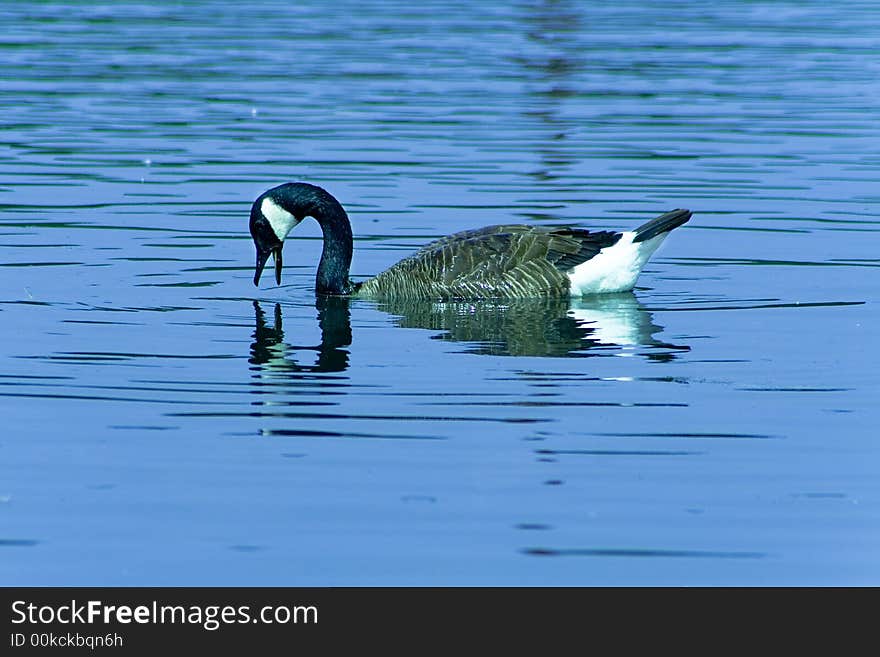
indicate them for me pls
(280, 219)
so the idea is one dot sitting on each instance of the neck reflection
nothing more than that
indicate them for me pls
(270, 354)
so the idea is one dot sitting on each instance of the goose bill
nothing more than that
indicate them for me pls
(262, 257)
(277, 253)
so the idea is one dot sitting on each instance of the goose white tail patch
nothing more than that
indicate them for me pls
(281, 220)
(614, 268)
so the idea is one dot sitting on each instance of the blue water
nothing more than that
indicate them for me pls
(166, 423)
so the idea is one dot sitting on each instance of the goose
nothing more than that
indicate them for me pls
(496, 262)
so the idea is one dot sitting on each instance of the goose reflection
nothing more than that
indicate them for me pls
(270, 353)
(614, 324)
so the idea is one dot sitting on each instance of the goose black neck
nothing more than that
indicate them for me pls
(335, 262)
(309, 200)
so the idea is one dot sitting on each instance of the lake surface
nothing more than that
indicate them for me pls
(167, 423)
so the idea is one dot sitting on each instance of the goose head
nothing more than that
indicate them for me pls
(278, 210)
(273, 215)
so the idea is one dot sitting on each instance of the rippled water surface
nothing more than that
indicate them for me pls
(165, 422)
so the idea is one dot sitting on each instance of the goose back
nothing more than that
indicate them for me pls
(504, 261)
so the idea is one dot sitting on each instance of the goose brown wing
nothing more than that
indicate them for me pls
(504, 261)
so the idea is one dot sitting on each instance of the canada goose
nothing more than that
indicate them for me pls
(507, 261)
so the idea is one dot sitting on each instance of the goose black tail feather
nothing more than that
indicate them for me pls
(662, 224)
